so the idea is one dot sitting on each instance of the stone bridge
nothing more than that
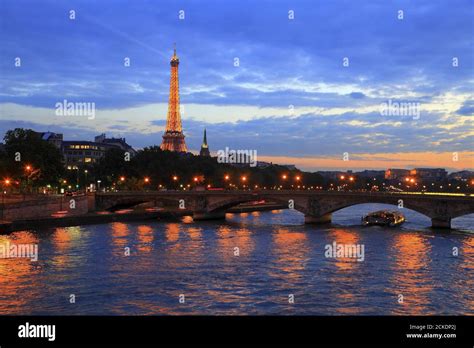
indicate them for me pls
(316, 206)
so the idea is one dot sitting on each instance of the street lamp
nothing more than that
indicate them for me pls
(28, 170)
(6, 183)
(297, 179)
(226, 178)
(244, 180)
(283, 177)
(85, 175)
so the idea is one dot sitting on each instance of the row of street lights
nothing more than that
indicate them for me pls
(198, 179)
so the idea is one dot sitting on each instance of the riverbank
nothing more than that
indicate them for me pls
(7, 227)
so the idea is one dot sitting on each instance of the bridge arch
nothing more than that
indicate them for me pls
(406, 206)
(348, 212)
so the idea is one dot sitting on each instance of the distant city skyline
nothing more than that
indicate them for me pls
(251, 76)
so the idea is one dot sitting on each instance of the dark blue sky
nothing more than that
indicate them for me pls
(290, 96)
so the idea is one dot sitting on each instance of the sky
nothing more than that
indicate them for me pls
(301, 82)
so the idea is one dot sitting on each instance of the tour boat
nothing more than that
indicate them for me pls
(383, 218)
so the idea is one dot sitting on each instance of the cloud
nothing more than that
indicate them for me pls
(357, 95)
(467, 109)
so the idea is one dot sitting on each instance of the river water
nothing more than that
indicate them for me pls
(254, 263)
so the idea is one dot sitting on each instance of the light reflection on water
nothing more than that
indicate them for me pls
(250, 264)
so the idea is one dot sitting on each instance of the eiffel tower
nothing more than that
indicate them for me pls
(173, 139)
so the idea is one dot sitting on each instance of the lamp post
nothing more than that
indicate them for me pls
(146, 180)
(283, 178)
(226, 179)
(85, 174)
(4, 192)
(244, 180)
(3, 203)
(298, 180)
(28, 170)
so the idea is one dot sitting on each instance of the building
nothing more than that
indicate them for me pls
(117, 142)
(82, 153)
(173, 138)
(429, 174)
(463, 175)
(54, 138)
(262, 164)
(204, 147)
(396, 174)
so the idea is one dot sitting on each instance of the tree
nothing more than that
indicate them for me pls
(30, 159)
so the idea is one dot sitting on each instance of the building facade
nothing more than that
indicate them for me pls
(396, 174)
(429, 174)
(82, 153)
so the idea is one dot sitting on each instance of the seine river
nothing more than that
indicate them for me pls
(254, 263)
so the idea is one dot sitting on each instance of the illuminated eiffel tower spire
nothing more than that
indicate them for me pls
(173, 139)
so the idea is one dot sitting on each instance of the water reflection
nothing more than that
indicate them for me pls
(228, 239)
(145, 238)
(172, 232)
(18, 276)
(61, 241)
(347, 286)
(120, 233)
(466, 266)
(411, 274)
(291, 253)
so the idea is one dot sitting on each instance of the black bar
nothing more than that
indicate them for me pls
(135, 330)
